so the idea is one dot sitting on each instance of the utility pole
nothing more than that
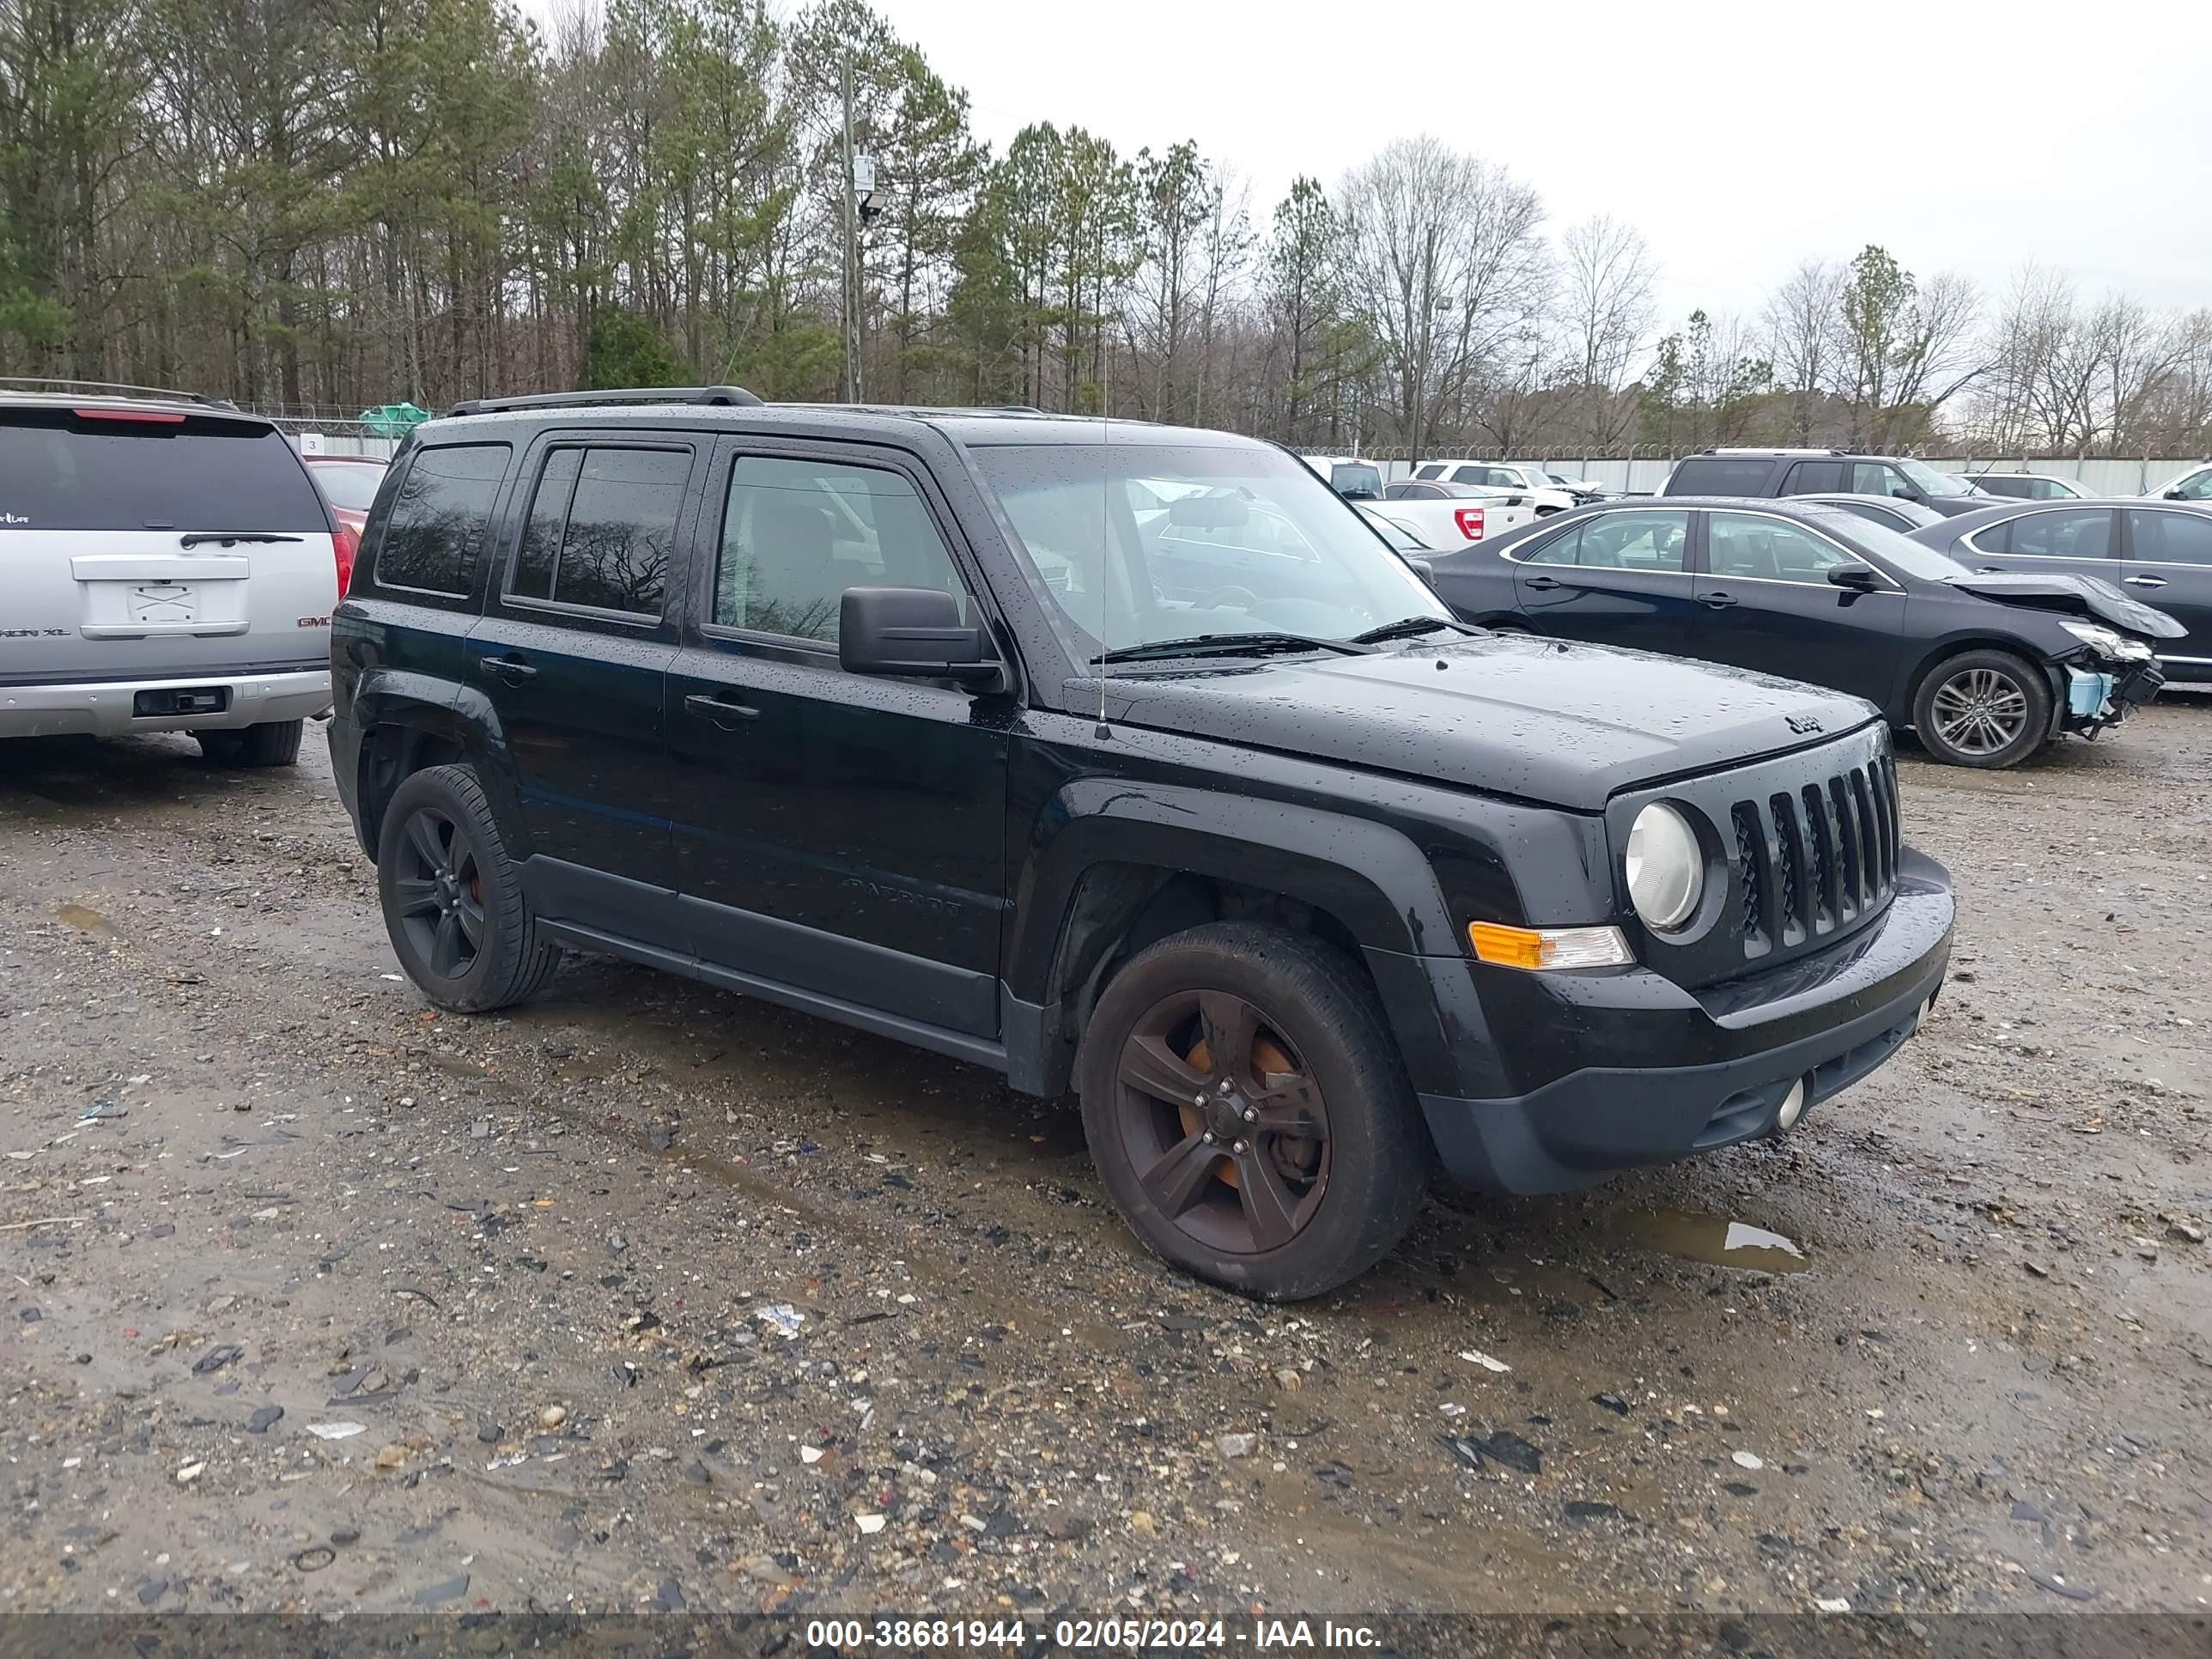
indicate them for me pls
(851, 306)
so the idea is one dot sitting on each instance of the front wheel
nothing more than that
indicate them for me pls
(1983, 708)
(1246, 1109)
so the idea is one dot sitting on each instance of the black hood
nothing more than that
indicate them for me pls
(1539, 719)
(2081, 595)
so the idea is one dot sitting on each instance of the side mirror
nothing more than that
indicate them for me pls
(2175, 496)
(1420, 568)
(914, 632)
(1858, 578)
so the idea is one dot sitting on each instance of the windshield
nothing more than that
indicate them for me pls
(1929, 482)
(1894, 547)
(1137, 543)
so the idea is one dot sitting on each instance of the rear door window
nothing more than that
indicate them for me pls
(602, 528)
(90, 469)
(2083, 533)
(1646, 540)
(1715, 475)
(1814, 478)
(1878, 478)
(437, 520)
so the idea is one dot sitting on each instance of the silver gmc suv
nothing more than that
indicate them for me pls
(166, 565)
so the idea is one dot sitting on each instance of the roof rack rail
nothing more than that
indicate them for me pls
(721, 396)
(1775, 449)
(49, 383)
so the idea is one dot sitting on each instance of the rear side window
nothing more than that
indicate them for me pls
(151, 469)
(1644, 540)
(1356, 481)
(437, 520)
(1815, 478)
(602, 528)
(1715, 475)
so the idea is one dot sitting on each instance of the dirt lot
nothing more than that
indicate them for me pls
(650, 1297)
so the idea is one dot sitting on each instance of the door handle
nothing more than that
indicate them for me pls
(1715, 601)
(2144, 581)
(508, 669)
(727, 715)
(1541, 584)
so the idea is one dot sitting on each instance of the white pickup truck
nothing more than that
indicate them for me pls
(1440, 517)
(1545, 495)
(166, 565)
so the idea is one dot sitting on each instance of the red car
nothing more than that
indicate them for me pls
(348, 483)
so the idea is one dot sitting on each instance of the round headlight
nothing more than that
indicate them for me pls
(1666, 871)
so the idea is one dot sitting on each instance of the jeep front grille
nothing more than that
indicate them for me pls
(1815, 858)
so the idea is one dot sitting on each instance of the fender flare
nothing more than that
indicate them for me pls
(1371, 879)
(460, 714)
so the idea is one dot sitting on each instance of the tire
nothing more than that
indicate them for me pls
(1333, 1206)
(2006, 689)
(272, 743)
(438, 818)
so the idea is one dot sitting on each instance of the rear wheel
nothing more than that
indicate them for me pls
(272, 743)
(1246, 1108)
(453, 899)
(1983, 708)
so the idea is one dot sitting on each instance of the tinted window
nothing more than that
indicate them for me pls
(2085, 533)
(549, 517)
(1875, 513)
(602, 528)
(1740, 544)
(1470, 475)
(1434, 469)
(1814, 477)
(2173, 537)
(61, 470)
(1994, 483)
(1713, 475)
(796, 533)
(1645, 540)
(438, 518)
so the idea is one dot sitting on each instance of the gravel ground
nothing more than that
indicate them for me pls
(648, 1297)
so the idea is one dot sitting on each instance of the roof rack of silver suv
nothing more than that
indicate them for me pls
(109, 389)
(725, 396)
(1775, 449)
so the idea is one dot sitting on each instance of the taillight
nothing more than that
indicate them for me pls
(345, 543)
(143, 417)
(1469, 520)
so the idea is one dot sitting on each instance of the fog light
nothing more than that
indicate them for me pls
(1793, 1106)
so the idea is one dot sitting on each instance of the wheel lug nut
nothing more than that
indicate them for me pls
(1198, 1100)
(1251, 1114)
(1238, 1147)
(1209, 1137)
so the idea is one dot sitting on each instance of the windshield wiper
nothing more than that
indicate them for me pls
(1406, 627)
(1227, 645)
(194, 537)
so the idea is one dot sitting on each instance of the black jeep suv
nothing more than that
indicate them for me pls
(893, 716)
(1821, 473)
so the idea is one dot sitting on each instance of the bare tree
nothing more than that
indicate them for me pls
(1603, 303)
(1447, 268)
(1799, 330)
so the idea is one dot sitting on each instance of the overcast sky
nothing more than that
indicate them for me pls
(1739, 137)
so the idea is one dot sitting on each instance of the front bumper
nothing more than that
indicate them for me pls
(106, 709)
(1637, 1070)
(2091, 699)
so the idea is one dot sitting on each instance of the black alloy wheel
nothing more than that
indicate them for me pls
(438, 892)
(1226, 1129)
